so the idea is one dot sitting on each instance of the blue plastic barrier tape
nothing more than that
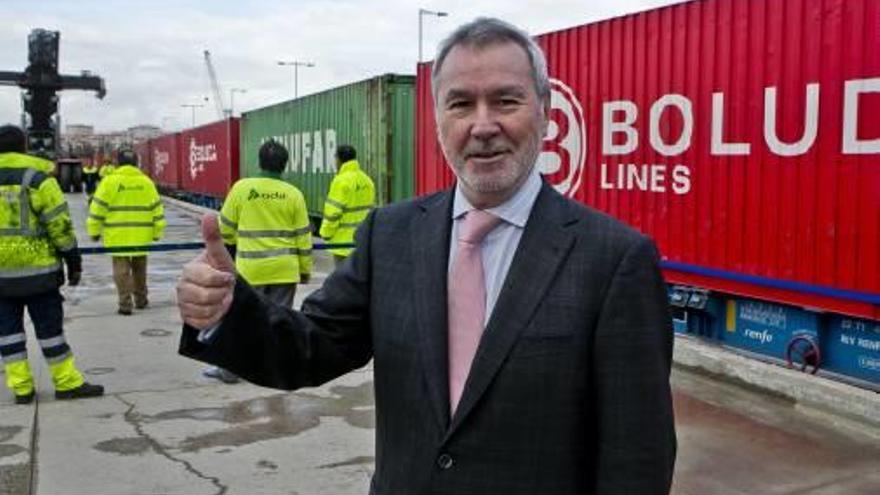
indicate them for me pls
(181, 246)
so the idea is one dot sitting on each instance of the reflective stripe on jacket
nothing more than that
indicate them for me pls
(126, 210)
(266, 219)
(352, 195)
(35, 227)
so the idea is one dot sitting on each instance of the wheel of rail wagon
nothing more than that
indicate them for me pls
(802, 352)
(64, 177)
(76, 179)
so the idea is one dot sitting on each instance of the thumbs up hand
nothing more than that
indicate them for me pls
(215, 252)
(204, 291)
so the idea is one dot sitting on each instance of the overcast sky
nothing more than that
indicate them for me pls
(150, 53)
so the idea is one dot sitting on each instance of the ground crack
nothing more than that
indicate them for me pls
(133, 419)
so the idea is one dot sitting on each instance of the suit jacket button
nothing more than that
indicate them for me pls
(445, 461)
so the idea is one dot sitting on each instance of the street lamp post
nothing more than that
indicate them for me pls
(424, 12)
(232, 92)
(296, 65)
(193, 106)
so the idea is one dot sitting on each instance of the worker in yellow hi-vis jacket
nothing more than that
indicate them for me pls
(265, 226)
(352, 195)
(265, 222)
(126, 211)
(36, 235)
(90, 180)
(106, 169)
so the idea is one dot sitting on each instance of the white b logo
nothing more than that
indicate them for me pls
(564, 150)
(160, 159)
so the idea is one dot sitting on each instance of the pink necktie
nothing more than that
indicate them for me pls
(467, 299)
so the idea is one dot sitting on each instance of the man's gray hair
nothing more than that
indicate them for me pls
(485, 31)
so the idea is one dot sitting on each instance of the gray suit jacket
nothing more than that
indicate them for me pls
(569, 390)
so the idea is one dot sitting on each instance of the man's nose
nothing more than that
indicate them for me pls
(485, 125)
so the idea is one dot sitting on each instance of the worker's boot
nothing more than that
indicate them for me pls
(83, 391)
(20, 381)
(125, 305)
(69, 382)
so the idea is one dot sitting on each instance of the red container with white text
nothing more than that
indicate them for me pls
(209, 158)
(164, 162)
(743, 136)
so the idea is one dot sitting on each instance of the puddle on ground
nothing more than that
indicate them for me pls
(99, 371)
(7, 432)
(354, 461)
(264, 418)
(156, 332)
(124, 446)
(9, 450)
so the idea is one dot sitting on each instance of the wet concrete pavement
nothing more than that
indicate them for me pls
(165, 429)
(738, 441)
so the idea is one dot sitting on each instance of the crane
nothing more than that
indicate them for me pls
(41, 83)
(222, 113)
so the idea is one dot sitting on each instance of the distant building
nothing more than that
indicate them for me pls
(80, 140)
(79, 130)
(143, 132)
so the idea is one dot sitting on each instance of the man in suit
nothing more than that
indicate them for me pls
(548, 373)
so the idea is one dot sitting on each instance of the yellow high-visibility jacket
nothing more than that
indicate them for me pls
(266, 219)
(352, 195)
(126, 210)
(35, 227)
(106, 169)
(90, 179)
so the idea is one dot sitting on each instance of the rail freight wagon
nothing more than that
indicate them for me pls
(101, 157)
(744, 137)
(375, 116)
(142, 150)
(208, 158)
(164, 162)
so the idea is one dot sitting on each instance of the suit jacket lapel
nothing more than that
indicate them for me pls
(430, 251)
(542, 249)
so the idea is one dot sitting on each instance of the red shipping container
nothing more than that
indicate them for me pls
(209, 158)
(101, 157)
(743, 136)
(142, 150)
(165, 161)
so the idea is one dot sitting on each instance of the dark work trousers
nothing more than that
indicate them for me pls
(91, 183)
(46, 313)
(282, 294)
(130, 276)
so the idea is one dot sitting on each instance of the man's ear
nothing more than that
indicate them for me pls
(545, 111)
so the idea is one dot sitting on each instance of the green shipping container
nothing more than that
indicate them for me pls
(375, 116)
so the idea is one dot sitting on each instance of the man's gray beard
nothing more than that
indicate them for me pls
(508, 180)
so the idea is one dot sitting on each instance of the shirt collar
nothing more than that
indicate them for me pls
(514, 211)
